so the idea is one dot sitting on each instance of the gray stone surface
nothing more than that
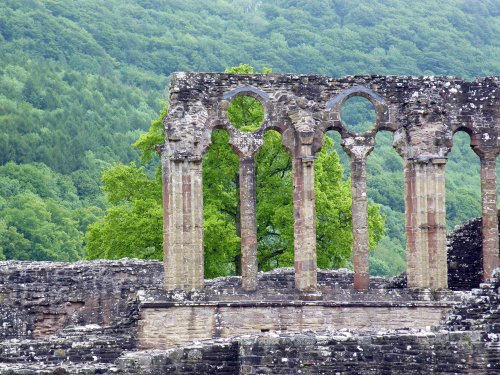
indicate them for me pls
(465, 255)
(39, 335)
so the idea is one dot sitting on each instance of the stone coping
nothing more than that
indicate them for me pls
(297, 303)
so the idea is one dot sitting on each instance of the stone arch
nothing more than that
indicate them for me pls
(358, 146)
(468, 187)
(379, 104)
(475, 137)
(248, 91)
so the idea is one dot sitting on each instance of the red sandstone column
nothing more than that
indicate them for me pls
(249, 266)
(438, 258)
(360, 222)
(413, 257)
(304, 224)
(183, 224)
(358, 149)
(490, 214)
(426, 224)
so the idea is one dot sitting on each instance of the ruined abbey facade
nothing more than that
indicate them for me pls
(423, 113)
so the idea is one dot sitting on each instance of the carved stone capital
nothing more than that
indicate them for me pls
(246, 145)
(302, 121)
(358, 147)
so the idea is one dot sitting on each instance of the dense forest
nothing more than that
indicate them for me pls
(81, 81)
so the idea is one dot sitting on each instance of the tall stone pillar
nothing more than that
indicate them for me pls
(426, 223)
(183, 223)
(489, 211)
(304, 223)
(360, 218)
(249, 267)
(358, 149)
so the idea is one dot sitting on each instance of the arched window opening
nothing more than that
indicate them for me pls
(333, 205)
(463, 182)
(386, 189)
(274, 189)
(221, 208)
(344, 158)
(245, 113)
(358, 114)
(463, 203)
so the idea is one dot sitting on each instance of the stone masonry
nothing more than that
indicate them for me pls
(465, 256)
(423, 113)
(466, 340)
(114, 317)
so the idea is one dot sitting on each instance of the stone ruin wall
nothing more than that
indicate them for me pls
(86, 317)
(467, 340)
(341, 352)
(49, 311)
(42, 298)
(423, 113)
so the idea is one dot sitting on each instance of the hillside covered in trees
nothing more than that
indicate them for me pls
(80, 81)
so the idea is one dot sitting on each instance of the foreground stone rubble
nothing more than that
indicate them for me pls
(86, 318)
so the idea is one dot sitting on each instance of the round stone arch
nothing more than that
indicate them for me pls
(334, 105)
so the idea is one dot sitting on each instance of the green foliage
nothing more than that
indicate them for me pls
(358, 114)
(240, 69)
(221, 207)
(90, 84)
(274, 210)
(132, 224)
(154, 136)
(463, 190)
(246, 113)
(41, 216)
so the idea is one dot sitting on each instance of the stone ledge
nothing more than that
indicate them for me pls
(358, 304)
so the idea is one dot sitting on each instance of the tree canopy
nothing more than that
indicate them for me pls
(135, 199)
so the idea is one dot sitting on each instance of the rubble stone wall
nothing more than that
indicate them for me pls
(342, 352)
(39, 299)
(100, 336)
(465, 255)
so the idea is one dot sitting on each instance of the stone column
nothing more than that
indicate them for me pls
(490, 213)
(183, 223)
(426, 223)
(248, 220)
(360, 218)
(304, 223)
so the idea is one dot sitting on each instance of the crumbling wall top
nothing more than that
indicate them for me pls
(426, 111)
